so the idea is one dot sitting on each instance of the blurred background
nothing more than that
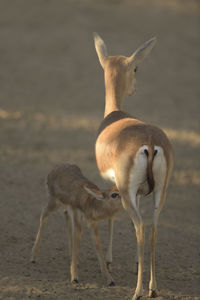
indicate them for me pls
(51, 104)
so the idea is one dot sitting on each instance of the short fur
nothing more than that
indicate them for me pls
(70, 189)
(130, 151)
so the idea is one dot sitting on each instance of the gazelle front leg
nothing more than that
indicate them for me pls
(110, 242)
(100, 256)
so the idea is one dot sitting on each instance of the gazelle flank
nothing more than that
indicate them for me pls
(134, 155)
(81, 201)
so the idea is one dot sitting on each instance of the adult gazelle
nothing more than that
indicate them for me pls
(136, 156)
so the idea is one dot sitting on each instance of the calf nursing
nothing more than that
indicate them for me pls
(82, 201)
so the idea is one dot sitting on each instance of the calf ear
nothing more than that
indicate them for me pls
(94, 192)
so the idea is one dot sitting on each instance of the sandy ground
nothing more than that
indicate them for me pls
(51, 103)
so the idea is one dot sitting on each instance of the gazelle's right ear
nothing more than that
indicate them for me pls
(101, 49)
(142, 52)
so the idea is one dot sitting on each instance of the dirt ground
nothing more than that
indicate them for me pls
(51, 103)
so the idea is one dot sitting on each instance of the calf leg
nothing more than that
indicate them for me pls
(110, 242)
(51, 207)
(100, 255)
(69, 229)
(76, 238)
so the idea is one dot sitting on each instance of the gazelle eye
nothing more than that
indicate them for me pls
(135, 70)
(115, 195)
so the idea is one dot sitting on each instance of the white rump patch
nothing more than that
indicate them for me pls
(138, 173)
(158, 149)
(142, 150)
(159, 167)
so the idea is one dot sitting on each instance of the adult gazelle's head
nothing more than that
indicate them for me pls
(120, 70)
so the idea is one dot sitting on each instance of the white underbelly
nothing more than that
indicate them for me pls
(109, 175)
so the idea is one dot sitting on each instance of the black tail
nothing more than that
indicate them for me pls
(150, 153)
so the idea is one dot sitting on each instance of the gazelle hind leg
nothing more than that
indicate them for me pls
(159, 197)
(128, 185)
(160, 177)
(129, 203)
(47, 211)
(138, 206)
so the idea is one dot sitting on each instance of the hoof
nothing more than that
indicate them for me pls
(111, 283)
(153, 294)
(75, 281)
(136, 297)
(33, 261)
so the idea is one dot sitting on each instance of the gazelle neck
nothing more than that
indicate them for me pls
(114, 96)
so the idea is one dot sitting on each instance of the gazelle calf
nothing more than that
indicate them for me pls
(82, 200)
(134, 155)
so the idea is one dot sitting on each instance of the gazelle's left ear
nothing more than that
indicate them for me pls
(142, 52)
(101, 49)
(94, 192)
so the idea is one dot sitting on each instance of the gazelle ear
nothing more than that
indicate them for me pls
(101, 49)
(142, 52)
(94, 192)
